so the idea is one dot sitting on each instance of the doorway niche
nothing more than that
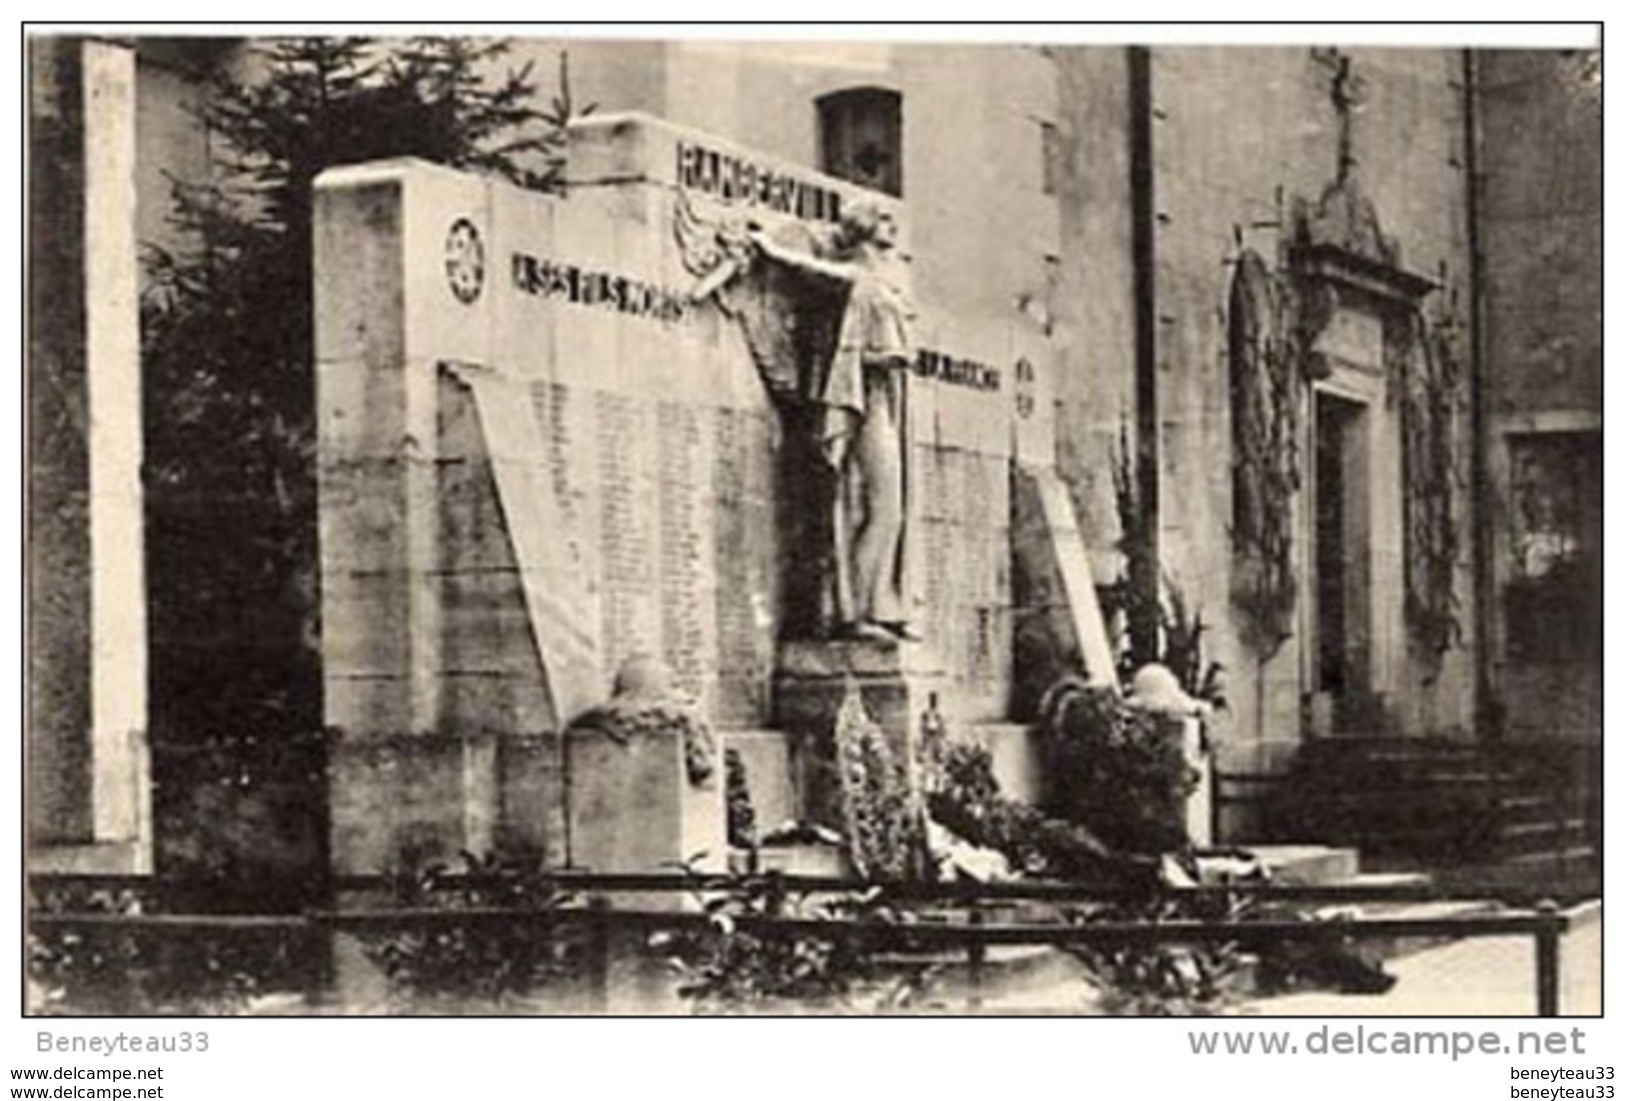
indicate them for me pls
(1358, 322)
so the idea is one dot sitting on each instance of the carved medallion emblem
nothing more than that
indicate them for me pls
(465, 261)
(1026, 381)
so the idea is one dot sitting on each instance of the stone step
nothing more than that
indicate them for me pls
(798, 859)
(1528, 802)
(1383, 879)
(1572, 855)
(1351, 787)
(1429, 910)
(1444, 803)
(1399, 759)
(1434, 908)
(1570, 872)
(1375, 748)
(1308, 865)
(1535, 809)
(1548, 832)
(1389, 804)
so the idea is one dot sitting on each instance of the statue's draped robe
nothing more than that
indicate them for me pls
(864, 439)
(831, 349)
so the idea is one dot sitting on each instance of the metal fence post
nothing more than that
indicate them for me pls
(1548, 965)
(598, 962)
(319, 967)
(977, 954)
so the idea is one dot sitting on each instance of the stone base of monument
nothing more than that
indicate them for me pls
(768, 757)
(632, 808)
(407, 801)
(830, 861)
(1308, 865)
(897, 681)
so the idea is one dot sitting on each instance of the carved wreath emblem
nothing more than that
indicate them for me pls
(465, 261)
(1026, 401)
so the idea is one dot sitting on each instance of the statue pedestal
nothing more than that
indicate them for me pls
(633, 809)
(896, 680)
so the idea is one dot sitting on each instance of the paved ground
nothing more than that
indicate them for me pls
(1489, 977)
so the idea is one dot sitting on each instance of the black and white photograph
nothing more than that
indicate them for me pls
(540, 522)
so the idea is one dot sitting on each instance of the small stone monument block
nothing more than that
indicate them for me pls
(632, 807)
(396, 802)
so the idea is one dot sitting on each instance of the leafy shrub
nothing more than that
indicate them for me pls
(140, 970)
(970, 805)
(1119, 771)
(733, 965)
(479, 959)
(1158, 980)
(233, 814)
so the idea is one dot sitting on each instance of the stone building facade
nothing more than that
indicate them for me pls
(1540, 218)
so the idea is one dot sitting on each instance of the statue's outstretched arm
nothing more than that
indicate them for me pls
(806, 261)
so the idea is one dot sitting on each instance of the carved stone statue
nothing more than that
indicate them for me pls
(828, 325)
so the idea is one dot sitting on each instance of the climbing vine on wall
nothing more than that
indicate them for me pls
(1425, 367)
(1264, 399)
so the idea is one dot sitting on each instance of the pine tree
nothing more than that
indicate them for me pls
(227, 331)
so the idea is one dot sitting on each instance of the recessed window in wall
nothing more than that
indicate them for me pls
(861, 136)
(1554, 587)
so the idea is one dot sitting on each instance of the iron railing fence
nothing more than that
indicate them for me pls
(579, 906)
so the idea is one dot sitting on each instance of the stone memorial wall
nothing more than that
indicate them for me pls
(539, 455)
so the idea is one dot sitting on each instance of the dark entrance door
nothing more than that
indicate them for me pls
(1342, 573)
